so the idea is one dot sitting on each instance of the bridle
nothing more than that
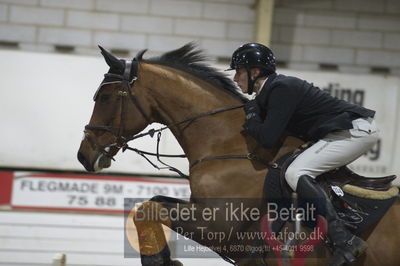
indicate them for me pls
(124, 92)
(122, 142)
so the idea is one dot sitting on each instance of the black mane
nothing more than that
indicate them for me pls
(191, 60)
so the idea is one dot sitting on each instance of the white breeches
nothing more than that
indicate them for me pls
(334, 150)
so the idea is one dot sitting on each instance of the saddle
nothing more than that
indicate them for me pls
(359, 201)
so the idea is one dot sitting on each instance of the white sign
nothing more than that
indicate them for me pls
(88, 193)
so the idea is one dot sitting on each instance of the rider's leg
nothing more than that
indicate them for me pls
(334, 150)
(347, 246)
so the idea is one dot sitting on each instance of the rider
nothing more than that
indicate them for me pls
(341, 132)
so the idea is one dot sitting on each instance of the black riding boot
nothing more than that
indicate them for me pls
(347, 247)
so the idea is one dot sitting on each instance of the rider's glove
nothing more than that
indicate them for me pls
(251, 109)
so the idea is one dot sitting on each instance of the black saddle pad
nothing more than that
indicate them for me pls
(359, 213)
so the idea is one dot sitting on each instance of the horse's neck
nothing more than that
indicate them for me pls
(179, 96)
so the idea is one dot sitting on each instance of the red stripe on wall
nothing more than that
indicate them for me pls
(6, 181)
(105, 177)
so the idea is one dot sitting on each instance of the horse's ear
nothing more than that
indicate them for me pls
(139, 56)
(111, 60)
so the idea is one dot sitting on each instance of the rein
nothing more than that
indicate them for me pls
(122, 142)
(151, 133)
(187, 120)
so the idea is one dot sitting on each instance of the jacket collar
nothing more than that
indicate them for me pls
(266, 88)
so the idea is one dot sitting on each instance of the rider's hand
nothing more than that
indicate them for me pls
(251, 109)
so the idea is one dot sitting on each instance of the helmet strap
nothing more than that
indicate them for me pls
(251, 82)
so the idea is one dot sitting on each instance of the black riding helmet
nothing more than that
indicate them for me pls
(253, 55)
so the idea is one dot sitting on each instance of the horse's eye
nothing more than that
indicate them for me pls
(105, 97)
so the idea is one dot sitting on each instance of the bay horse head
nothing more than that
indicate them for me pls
(119, 112)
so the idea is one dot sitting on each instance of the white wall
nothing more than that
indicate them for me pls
(130, 25)
(354, 35)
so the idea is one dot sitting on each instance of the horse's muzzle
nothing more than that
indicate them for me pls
(88, 166)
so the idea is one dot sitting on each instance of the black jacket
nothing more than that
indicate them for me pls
(291, 104)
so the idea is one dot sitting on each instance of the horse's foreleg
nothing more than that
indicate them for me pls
(153, 245)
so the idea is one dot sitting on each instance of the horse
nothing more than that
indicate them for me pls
(203, 109)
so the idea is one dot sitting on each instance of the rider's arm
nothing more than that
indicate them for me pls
(280, 108)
